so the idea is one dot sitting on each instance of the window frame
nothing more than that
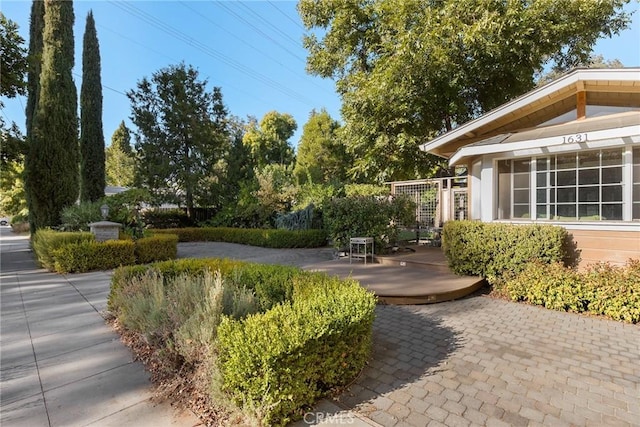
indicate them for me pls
(622, 202)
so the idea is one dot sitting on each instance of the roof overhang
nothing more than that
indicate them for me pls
(573, 135)
(616, 87)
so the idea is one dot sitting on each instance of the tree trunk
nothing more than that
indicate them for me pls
(189, 201)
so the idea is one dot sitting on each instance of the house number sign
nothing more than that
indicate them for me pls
(578, 137)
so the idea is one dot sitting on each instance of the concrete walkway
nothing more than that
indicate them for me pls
(61, 364)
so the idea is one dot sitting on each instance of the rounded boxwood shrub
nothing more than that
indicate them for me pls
(311, 334)
(489, 250)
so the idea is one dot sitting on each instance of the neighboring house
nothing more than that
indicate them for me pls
(111, 190)
(567, 153)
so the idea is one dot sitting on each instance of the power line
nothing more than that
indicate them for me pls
(132, 40)
(286, 15)
(227, 84)
(249, 45)
(185, 38)
(258, 30)
(295, 42)
(104, 86)
(8, 119)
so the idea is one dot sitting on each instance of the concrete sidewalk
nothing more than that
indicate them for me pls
(61, 364)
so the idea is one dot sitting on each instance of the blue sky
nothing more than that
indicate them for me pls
(251, 49)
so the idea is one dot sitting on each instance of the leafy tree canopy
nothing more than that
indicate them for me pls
(12, 144)
(408, 70)
(120, 158)
(269, 140)
(322, 156)
(181, 131)
(13, 59)
(238, 165)
(12, 147)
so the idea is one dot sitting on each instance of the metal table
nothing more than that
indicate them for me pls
(360, 243)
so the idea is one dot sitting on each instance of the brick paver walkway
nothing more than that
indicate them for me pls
(482, 361)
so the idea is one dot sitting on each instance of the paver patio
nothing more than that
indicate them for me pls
(483, 361)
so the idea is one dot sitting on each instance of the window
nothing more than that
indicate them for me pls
(636, 184)
(513, 188)
(580, 186)
(583, 186)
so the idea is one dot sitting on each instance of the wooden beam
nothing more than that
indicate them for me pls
(581, 104)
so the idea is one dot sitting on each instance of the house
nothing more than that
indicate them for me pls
(567, 153)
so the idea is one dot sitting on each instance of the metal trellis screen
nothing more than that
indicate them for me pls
(437, 200)
(426, 195)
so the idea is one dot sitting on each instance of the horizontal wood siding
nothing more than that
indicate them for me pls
(609, 246)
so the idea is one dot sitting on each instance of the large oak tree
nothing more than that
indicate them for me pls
(408, 70)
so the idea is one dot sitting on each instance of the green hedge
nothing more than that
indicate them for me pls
(285, 359)
(311, 334)
(166, 218)
(87, 256)
(267, 238)
(45, 241)
(77, 252)
(600, 289)
(491, 249)
(156, 248)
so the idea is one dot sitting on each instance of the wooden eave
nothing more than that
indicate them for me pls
(605, 87)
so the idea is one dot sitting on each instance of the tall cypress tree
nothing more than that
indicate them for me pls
(52, 171)
(34, 59)
(36, 28)
(92, 168)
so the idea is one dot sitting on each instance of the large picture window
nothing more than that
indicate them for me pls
(580, 186)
